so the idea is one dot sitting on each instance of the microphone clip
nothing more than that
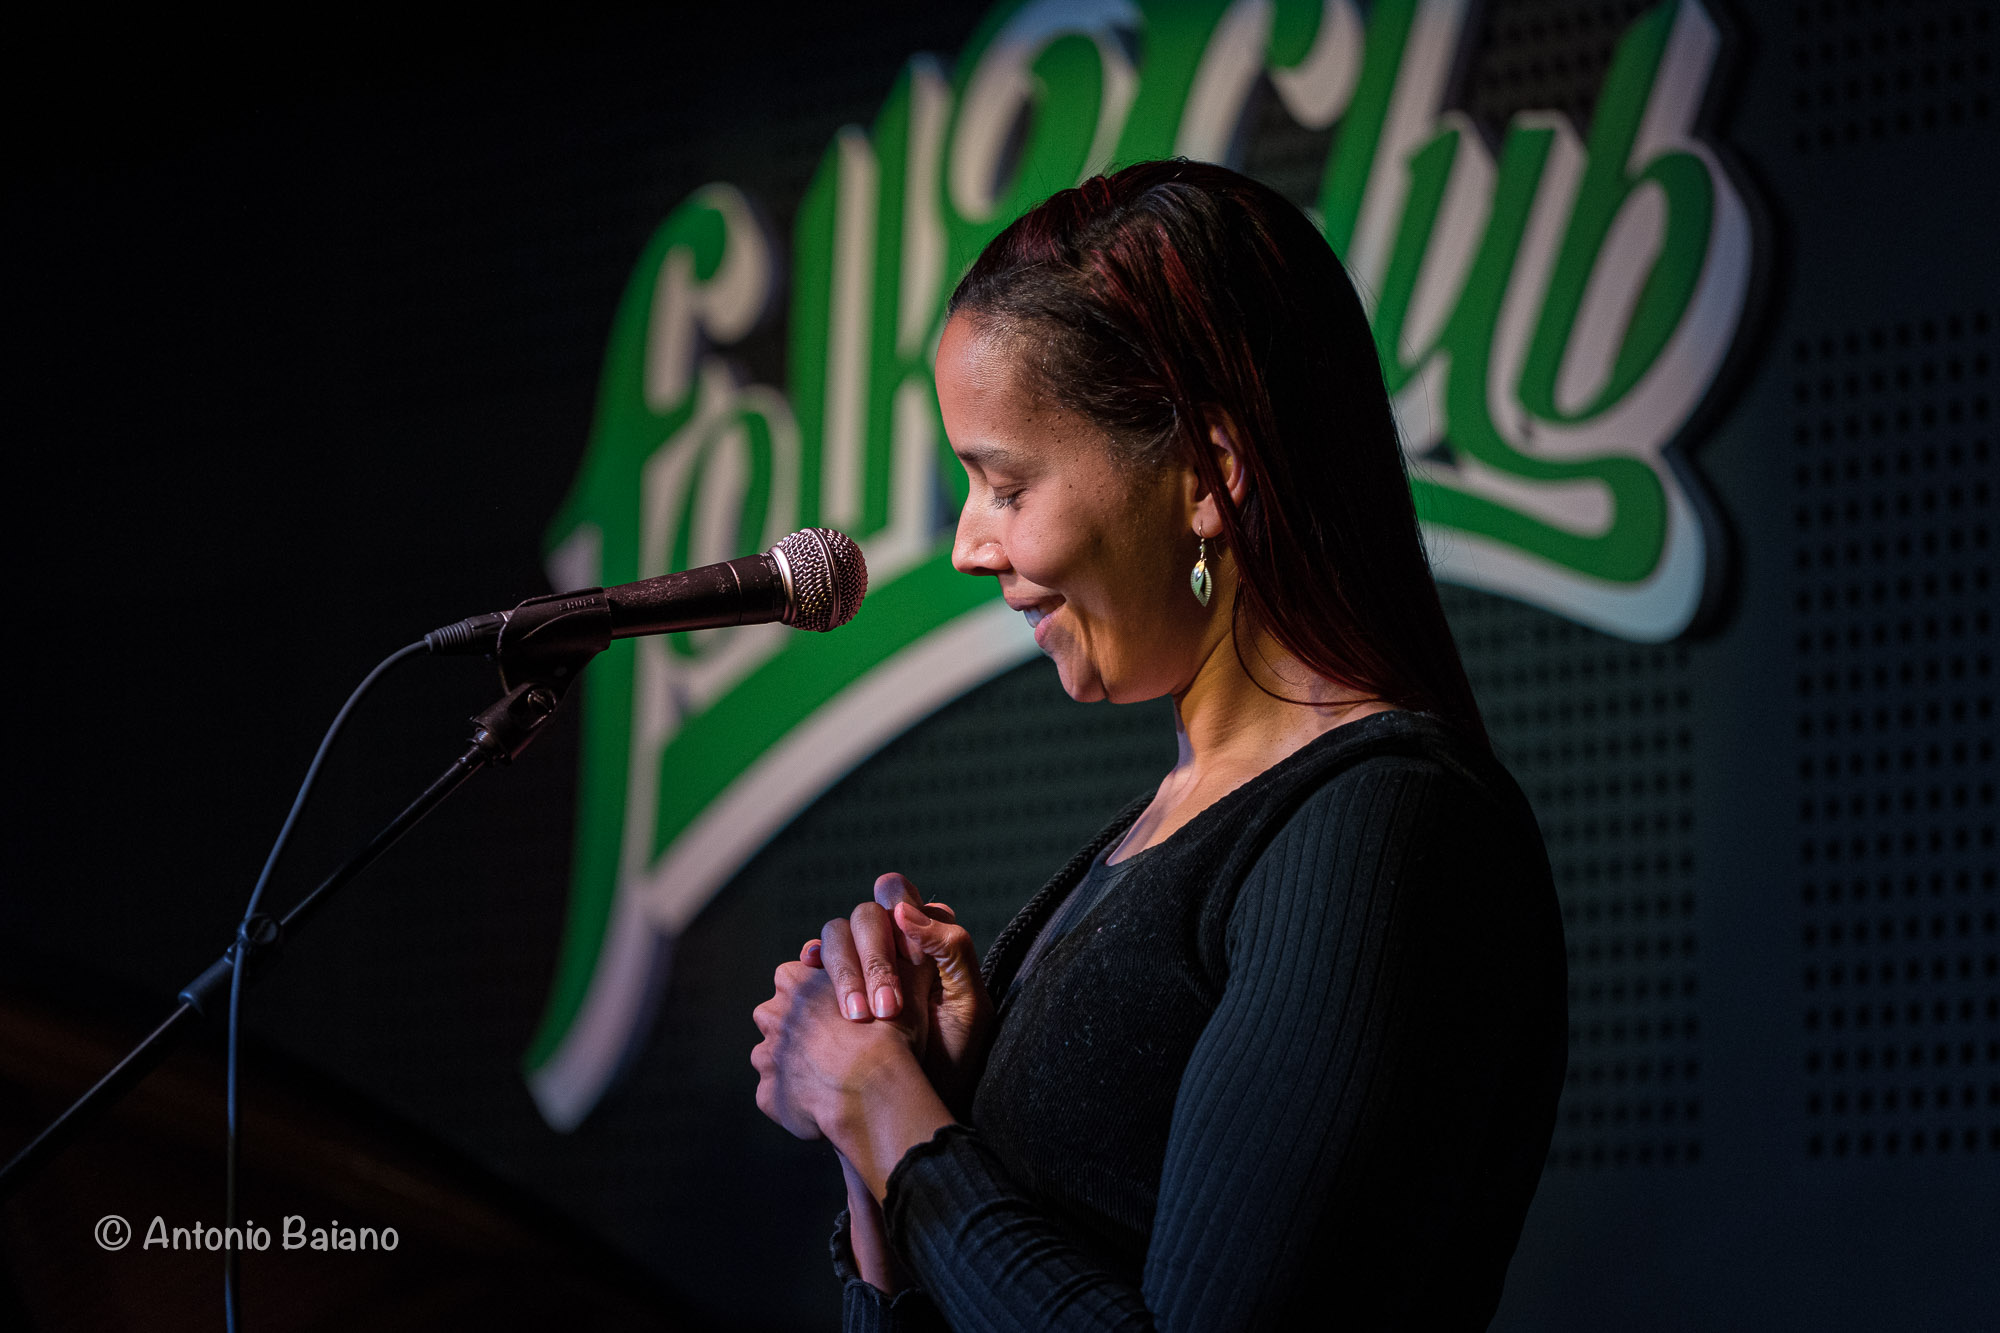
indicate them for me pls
(548, 638)
(540, 646)
(551, 638)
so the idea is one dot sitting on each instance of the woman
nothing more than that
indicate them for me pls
(1281, 1046)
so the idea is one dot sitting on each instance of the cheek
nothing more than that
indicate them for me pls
(1098, 544)
(1053, 554)
(1135, 566)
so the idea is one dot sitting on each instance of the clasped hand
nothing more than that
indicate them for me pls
(895, 980)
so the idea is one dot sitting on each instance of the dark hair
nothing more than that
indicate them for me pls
(1149, 300)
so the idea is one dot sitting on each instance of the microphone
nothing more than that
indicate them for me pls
(813, 579)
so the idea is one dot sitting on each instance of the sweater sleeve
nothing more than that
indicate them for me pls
(865, 1307)
(1334, 1130)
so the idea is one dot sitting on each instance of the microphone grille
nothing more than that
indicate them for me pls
(829, 578)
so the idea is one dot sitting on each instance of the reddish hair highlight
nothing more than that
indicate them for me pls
(1160, 297)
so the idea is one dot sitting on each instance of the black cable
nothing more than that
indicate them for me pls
(244, 931)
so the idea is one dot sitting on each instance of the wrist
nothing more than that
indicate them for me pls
(867, 1236)
(872, 1077)
(875, 1124)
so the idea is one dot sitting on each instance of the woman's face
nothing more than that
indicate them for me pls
(1095, 553)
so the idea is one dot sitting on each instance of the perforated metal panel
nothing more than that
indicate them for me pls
(1525, 55)
(1894, 602)
(1868, 73)
(470, 243)
(978, 804)
(1544, 54)
(1599, 733)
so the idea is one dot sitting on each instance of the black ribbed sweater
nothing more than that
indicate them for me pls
(1299, 1068)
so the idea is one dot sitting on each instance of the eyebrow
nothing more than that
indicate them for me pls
(989, 455)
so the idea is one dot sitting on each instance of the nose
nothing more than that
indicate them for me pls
(976, 549)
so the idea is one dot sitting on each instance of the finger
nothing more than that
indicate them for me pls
(843, 967)
(949, 946)
(875, 946)
(771, 1013)
(941, 912)
(810, 954)
(893, 888)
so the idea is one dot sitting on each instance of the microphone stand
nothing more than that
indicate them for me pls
(535, 685)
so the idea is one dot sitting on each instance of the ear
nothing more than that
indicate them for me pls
(1228, 455)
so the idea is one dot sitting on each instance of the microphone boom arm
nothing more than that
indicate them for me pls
(499, 735)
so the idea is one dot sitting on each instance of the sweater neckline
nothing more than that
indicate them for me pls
(1002, 959)
(1357, 732)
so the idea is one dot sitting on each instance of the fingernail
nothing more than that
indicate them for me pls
(885, 1001)
(853, 1006)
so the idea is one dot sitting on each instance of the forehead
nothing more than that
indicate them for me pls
(979, 363)
(989, 401)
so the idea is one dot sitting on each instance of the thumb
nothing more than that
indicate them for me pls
(894, 888)
(946, 944)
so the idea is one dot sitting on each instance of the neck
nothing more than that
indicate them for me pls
(1244, 712)
(1238, 716)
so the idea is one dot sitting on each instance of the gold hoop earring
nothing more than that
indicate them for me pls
(1199, 580)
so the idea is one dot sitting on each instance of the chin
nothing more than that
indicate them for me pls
(1084, 687)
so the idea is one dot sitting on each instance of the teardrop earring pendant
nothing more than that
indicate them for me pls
(1199, 580)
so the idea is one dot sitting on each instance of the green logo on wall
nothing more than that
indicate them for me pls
(1549, 314)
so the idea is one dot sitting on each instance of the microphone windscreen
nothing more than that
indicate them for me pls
(828, 576)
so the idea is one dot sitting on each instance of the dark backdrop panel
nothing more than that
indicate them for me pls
(301, 366)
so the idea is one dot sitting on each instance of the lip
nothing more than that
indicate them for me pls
(1038, 614)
